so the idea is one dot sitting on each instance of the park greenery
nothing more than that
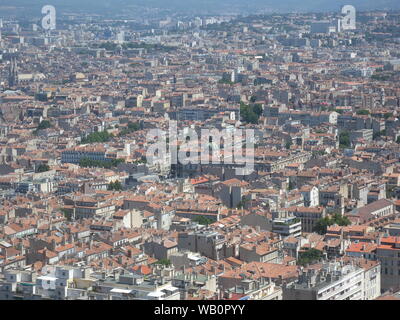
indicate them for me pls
(363, 112)
(344, 139)
(132, 127)
(388, 115)
(203, 220)
(164, 262)
(45, 124)
(309, 256)
(115, 186)
(225, 81)
(95, 137)
(323, 223)
(67, 214)
(42, 168)
(250, 113)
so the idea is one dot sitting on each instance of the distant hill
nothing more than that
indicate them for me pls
(206, 6)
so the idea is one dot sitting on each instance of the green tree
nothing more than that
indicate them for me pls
(45, 124)
(344, 139)
(258, 109)
(388, 115)
(322, 224)
(67, 214)
(225, 81)
(109, 46)
(131, 127)
(203, 220)
(363, 112)
(116, 186)
(43, 168)
(309, 256)
(247, 113)
(164, 262)
(390, 192)
(96, 137)
(242, 203)
(340, 220)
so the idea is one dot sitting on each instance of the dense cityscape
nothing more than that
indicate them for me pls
(90, 211)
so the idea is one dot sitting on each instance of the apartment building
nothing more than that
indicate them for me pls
(388, 253)
(287, 226)
(75, 155)
(308, 216)
(208, 243)
(332, 282)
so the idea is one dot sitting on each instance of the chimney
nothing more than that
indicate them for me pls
(86, 188)
(53, 244)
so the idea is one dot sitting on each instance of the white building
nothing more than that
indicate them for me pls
(372, 279)
(310, 195)
(336, 281)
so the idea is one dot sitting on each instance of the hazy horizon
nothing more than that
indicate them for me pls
(202, 6)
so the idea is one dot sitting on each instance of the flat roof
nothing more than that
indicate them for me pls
(118, 290)
(48, 278)
(156, 294)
